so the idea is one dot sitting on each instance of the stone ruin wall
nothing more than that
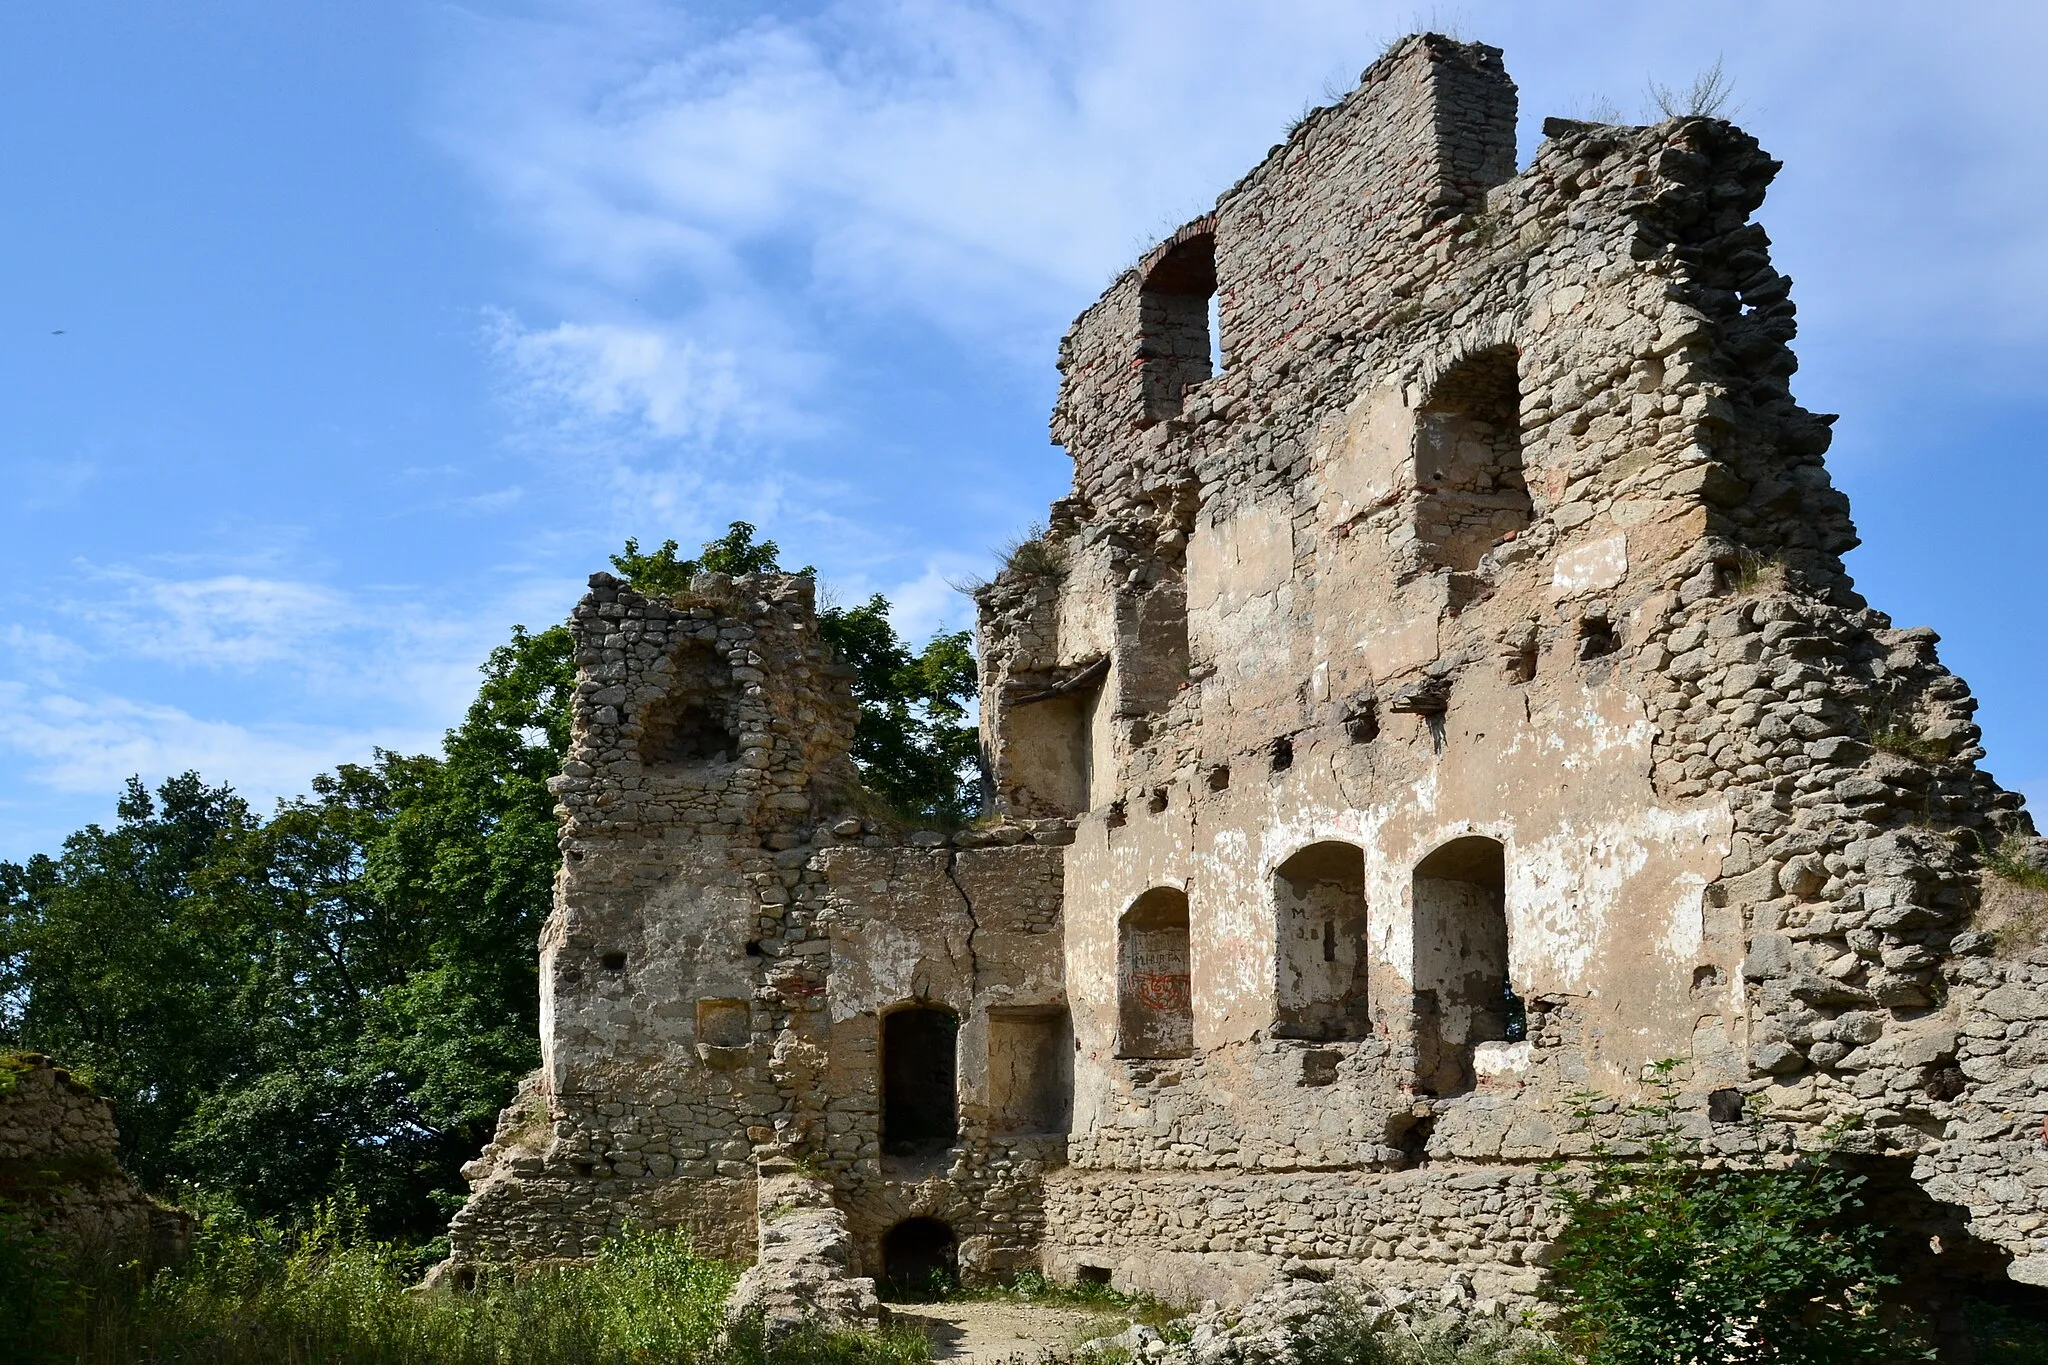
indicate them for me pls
(59, 1166)
(731, 925)
(1638, 667)
(1496, 573)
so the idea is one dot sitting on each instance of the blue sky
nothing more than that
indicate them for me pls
(383, 323)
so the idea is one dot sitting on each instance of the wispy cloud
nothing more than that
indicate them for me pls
(232, 621)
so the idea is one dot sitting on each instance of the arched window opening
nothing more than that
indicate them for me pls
(692, 725)
(1155, 1000)
(1468, 461)
(1319, 904)
(1174, 340)
(920, 1258)
(920, 1110)
(1465, 996)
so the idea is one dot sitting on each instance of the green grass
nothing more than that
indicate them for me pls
(2006, 861)
(253, 1294)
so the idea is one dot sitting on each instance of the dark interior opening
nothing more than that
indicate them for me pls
(1174, 344)
(1283, 754)
(1097, 1275)
(685, 733)
(1468, 461)
(919, 1257)
(920, 1112)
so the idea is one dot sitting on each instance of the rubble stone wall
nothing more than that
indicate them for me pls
(59, 1165)
(1448, 700)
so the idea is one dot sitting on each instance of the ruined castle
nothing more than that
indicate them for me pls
(1440, 696)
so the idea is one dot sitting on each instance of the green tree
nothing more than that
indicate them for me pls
(110, 962)
(1664, 1262)
(732, 553)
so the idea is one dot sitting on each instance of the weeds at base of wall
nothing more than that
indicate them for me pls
(1030, 1286)
(1662, 1259)
(255, 1294)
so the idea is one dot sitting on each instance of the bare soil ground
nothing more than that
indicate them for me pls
(996, 1332)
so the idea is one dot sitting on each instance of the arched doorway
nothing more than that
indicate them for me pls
(919, 1258)
(1319, 923)
(920, 1112)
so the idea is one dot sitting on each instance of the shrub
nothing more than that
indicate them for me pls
(257, 1293)
(1666, 1262)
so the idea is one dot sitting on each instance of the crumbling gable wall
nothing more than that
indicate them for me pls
(1499, 528)
(736, 934)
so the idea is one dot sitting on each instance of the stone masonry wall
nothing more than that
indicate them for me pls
(58, 1165)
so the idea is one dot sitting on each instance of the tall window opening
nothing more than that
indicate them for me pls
(1468, 461)
(1319, 902)
(1461, 960)
(1174, 338)
(1030, 1070)
(920, 1111)
(1155, 997)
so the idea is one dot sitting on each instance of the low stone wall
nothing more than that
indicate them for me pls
(58, 1166)
(1189, 1237)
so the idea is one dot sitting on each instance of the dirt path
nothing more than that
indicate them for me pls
(992, 1333)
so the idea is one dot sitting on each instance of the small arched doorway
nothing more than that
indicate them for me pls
(920, 1111)
(1464, 996)
(920, 1258)
(1155, 998)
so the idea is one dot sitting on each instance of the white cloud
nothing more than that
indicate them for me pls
(606, 375)
(89, 744)
(227, 621)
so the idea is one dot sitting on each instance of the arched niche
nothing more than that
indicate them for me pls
(1319, 919)
(1463, 993)
(1468, 461)
(1155, 998)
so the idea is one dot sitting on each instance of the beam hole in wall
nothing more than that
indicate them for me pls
(1030, 1070)
(1521, 661)
(1155, 998)
(919, 1258)
(1320, 921)
(1597, 637)
(1461, 961)
(1219, 777)
(1468, 461)
(1157, 802)
(1175, 345)
(1282, 754)
(612, 962)
(1362, 721)
(1097, 1276)
(920, 1105)
(1319, 1068)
